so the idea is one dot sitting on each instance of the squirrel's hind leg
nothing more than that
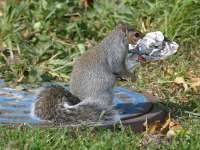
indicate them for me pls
(94, 108)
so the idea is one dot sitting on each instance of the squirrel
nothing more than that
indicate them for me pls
(90, 98)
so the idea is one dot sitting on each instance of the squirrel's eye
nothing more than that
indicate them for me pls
(136, 34)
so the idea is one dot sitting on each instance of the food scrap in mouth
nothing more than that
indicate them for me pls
(153, 46)
(141, 58)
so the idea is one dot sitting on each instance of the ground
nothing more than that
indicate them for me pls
(40, 39)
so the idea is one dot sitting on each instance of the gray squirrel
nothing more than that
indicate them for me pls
(90, 98)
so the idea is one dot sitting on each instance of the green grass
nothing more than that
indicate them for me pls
(40, 38)
(37, 138)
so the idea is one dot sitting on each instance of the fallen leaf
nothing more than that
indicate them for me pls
(160, 132)
(180, 80)
(162, 127)
(195, 83)
(175, 125)
(165, 126)
(155, 127)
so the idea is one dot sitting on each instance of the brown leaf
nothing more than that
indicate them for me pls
(175, 125)
(195, 83)
(165, 126)
(160, 133)
(155, 127)
(180, 80)
(162, 128)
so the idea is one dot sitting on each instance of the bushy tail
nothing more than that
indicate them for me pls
(50, 101)
(50, 106)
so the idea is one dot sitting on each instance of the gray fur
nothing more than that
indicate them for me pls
(91, 84)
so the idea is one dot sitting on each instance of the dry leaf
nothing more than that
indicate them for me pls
(155, 127)
(195, 83)
(165, 126)
(174, 125)
(160, 133)
(162, 128)
(174, 129)
(180, 80)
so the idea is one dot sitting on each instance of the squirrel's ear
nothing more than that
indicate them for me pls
(122, 27)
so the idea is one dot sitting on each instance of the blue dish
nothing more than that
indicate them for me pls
(15, 106)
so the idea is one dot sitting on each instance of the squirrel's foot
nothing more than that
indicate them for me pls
(66, 107)
(69, 108)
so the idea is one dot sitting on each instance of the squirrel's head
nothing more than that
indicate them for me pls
(132, 35)
(116, 44)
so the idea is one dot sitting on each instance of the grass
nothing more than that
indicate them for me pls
(40, 38)
(37, 138)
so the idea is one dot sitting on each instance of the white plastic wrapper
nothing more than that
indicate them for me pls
(154, 46)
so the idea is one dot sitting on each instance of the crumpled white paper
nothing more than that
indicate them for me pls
(154, 46)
